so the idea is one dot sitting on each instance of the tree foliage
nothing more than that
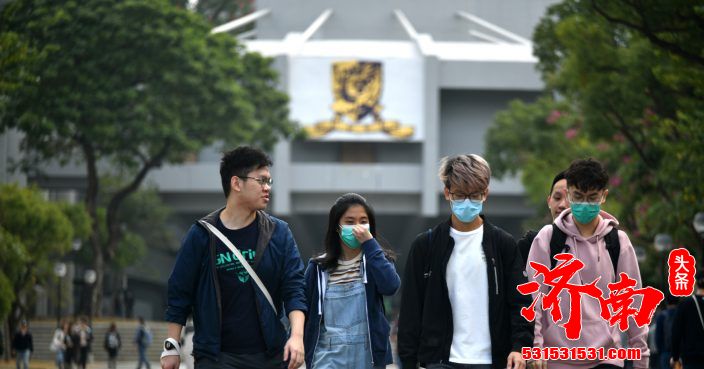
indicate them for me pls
(218, 11)
(143, 219)
(33, 234)
(631, 78)
(132, 84)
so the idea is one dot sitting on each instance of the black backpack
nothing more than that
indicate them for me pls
(557, 245)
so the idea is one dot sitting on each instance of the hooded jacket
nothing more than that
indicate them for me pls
(596, 331)
(194, 288)
(380, 279)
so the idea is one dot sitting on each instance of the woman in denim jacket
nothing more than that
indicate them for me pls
(346, 326)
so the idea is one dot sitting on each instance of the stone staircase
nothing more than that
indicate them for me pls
(43, 331)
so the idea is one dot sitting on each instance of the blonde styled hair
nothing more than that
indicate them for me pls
(470, 173)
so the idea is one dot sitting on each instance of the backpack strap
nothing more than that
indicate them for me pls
(613, 246)
(242, 261)
(557, 244)
(558, 239)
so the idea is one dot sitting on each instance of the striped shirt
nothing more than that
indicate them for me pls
(347, 271)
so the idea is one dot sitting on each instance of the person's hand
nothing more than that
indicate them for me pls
(361, 233)
(538, 364)
(515, 361)
(294, 352)
(170, 362)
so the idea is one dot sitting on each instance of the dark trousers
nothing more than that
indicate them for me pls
(142, 350)
(242, 361)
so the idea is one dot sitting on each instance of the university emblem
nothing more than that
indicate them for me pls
(357, 88)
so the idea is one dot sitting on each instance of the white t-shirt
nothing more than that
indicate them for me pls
(468, 286)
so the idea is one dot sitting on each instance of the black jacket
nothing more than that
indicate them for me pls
(425, 322)
(22, 342)
(524, 245)
(688, 332)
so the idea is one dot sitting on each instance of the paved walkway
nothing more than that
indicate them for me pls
(42, 364)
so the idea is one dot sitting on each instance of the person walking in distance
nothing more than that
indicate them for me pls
(143, 338)
(112, 345)
(22, 345)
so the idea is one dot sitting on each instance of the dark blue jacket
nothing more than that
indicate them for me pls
(380, 279)
(194, 287)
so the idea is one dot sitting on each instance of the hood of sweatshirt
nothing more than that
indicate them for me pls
(565, 222)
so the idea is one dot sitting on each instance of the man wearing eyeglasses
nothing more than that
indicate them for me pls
(237, 311)
(460, 307)
(591, 233)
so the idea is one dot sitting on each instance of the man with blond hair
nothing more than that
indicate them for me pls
(460, 307)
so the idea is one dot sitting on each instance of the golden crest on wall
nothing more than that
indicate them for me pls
(357, 88)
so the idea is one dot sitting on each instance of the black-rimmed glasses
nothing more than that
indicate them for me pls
(477, 196)
(262, 181)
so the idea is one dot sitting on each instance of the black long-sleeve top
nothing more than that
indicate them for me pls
(688, 332)
(22, 342)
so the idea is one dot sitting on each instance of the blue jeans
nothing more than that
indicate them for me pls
(23, 359)
(344, 334)
(60, 358)
(142, 357)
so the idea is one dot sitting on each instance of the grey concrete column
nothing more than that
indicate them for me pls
(431, 144)
(9, 153)
(281, 192)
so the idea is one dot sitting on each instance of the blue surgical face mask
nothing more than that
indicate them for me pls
(347, 236)
(466, 210)
(585, 212)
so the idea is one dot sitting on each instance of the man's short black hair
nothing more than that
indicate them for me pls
(239, 162)
(560, 176)
(586, 175)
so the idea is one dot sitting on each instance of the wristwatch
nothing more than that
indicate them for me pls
(171, 348)
(168, 345)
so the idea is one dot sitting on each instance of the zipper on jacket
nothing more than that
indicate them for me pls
(496, 276)
(366, 309)
(320, 310)
(216, 282)
(369, 335)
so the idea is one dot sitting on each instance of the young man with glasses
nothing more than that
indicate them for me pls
(588, 231)
(237, 322)
(460, 307)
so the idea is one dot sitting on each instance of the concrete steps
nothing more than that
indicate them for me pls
(43, 331)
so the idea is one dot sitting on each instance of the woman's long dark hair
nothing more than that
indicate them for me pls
(333, 246)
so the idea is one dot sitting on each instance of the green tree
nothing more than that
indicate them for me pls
(143, 220)
(218, 11)
(33, 233)
(631, 78)
(133, 84)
